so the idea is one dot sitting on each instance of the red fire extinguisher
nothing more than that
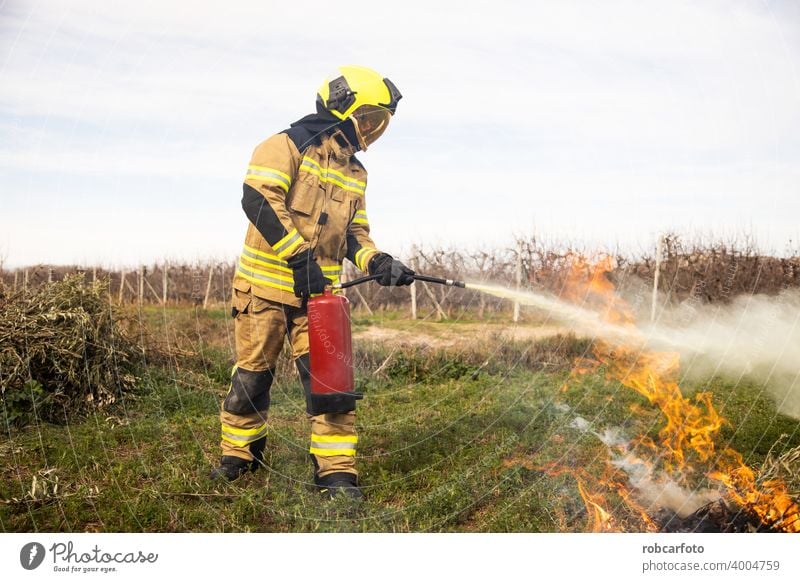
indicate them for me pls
(330, 342)
(330, 346)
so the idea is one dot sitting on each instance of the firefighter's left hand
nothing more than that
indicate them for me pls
(393, 272)
(308, 276)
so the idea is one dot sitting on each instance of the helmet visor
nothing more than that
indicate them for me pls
(370, 121)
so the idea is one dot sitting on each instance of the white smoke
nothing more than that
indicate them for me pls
(654, 489)
(755, 339)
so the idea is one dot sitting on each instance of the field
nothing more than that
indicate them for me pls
(459, 421)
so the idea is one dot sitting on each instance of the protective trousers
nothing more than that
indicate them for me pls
(260, 327)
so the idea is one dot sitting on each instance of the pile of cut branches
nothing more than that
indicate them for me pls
(63, 350)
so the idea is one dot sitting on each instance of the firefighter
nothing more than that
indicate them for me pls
(304, 199)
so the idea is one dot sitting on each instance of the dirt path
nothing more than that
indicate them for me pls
(450, 335)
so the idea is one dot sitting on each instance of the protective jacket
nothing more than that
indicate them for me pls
(304, 189)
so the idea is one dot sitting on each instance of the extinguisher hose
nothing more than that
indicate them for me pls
(357, 281)
(437, 280)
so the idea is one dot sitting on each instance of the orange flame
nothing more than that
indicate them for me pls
(691, 424)
(771, 502)
(599, 519)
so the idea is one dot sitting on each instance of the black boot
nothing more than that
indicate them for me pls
(337, 484)
(231, 468)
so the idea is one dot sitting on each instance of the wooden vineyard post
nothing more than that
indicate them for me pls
(222, 282)
(440, 314)
(659, 253)
(141, 285)
(121, 285)
(519, 279)
(363, 300)
(164, 284)
(208, 285)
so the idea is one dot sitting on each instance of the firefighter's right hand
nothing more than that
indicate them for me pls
(392, 272)
(308, 277)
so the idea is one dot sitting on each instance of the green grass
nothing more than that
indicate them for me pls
(446, 444)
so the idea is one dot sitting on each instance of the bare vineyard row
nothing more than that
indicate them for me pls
(703, 273)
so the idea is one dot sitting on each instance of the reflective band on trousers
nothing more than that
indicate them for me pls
(330, 446)
(243, 436)
(269, 175)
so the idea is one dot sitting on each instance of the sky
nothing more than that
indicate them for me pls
(126, 127)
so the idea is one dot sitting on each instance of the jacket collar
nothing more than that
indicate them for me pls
(323, 127)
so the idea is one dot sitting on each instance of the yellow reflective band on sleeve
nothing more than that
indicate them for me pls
(362, 257)
(287, 244)
(270, 175)
(333, 176)
(360, 217)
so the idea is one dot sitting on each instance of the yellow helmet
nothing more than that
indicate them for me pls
(360, 94)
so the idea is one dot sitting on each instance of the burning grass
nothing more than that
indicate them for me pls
(685, 457)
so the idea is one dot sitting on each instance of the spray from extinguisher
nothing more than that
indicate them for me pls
(331, 343)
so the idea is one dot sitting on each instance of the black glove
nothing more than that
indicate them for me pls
(392, 272)
(308, 277)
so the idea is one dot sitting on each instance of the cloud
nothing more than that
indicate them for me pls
(562, 110)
